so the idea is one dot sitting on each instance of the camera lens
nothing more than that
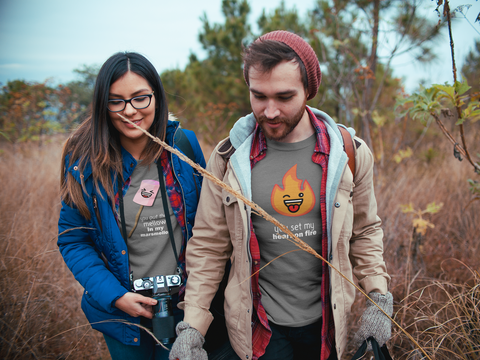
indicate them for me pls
(163, 320)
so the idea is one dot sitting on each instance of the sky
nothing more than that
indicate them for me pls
(47, 39)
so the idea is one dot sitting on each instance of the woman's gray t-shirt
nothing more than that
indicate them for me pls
(149, 246)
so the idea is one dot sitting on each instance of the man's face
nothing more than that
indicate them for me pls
(278, 100)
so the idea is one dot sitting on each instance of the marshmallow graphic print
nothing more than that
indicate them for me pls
(147, 193)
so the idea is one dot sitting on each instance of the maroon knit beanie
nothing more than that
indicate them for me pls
(304, 52)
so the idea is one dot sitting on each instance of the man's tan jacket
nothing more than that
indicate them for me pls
(222, 232)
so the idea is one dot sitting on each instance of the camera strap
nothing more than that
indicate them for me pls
(165, 208)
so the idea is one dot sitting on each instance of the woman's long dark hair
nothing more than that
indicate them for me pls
(96, 141)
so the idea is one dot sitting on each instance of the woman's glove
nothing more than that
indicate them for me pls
(188, 345)
(374, 323)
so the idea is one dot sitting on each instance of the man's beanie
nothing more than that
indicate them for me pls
(304, 52)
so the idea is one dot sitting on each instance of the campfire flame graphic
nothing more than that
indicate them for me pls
(294, 199)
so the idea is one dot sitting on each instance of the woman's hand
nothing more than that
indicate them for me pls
(136, 305)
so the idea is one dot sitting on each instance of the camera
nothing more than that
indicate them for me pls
(165, 284)
(161, 288)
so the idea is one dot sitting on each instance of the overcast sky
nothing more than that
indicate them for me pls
(42, 39)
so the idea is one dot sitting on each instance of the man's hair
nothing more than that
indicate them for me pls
(264, 55)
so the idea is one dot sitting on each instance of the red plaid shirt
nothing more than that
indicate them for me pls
(261, 332)
(176, 201)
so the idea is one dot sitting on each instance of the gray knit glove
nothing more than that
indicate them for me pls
(374, 323)
(188, 345)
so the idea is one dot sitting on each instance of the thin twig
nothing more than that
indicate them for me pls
(460, 148)
(301, 244)
(264, 266)
(456, 97)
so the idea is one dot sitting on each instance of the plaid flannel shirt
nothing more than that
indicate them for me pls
(261, 332)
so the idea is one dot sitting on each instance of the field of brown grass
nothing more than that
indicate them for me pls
(435, 277)
(39, 298)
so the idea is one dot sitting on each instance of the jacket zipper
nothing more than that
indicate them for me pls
(97, 214)
(97, 211)
(329, 228)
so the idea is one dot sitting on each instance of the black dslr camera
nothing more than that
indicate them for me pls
(161, 288)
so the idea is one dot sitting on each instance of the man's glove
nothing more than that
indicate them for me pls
(374, 323)
(188, 345)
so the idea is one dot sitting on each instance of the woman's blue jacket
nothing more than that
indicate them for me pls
(95, 251)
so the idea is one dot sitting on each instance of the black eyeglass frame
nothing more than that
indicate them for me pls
(129, 101)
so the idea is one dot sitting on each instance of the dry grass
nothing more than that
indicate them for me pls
(436, 300)
(445, 317)
(39, 298)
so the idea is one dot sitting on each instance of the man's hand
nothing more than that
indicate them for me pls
(374, 323)
(136, 305)
(188, 345)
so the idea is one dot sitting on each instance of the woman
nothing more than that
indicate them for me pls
(110, 238)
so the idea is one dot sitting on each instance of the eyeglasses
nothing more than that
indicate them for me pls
(137, 102)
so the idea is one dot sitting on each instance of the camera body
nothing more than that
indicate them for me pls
(161, 288)
(164, 284)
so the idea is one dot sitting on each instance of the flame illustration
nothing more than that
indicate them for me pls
(294, 199)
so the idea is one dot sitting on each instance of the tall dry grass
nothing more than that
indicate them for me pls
(435, 277)
(39, 298)
(436, 298)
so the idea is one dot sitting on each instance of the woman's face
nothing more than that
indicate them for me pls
(128, 86)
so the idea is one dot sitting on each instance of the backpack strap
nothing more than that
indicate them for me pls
(184, 144)
(349, 148)
(226, 150)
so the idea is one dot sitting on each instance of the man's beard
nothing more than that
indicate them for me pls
(283, 132)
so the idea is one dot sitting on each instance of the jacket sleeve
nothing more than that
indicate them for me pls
(366, 243)
(207, 251)
(83, 259)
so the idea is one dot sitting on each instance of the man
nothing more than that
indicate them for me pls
(289, 159)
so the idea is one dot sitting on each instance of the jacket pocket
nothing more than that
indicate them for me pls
(342, 219)
(232, 216)
(110, 323)
(227, 198)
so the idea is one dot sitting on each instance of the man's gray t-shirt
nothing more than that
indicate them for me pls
(149, 246)
(286, 184)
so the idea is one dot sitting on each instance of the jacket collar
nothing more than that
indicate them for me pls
(246, 125)
(322, 145)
